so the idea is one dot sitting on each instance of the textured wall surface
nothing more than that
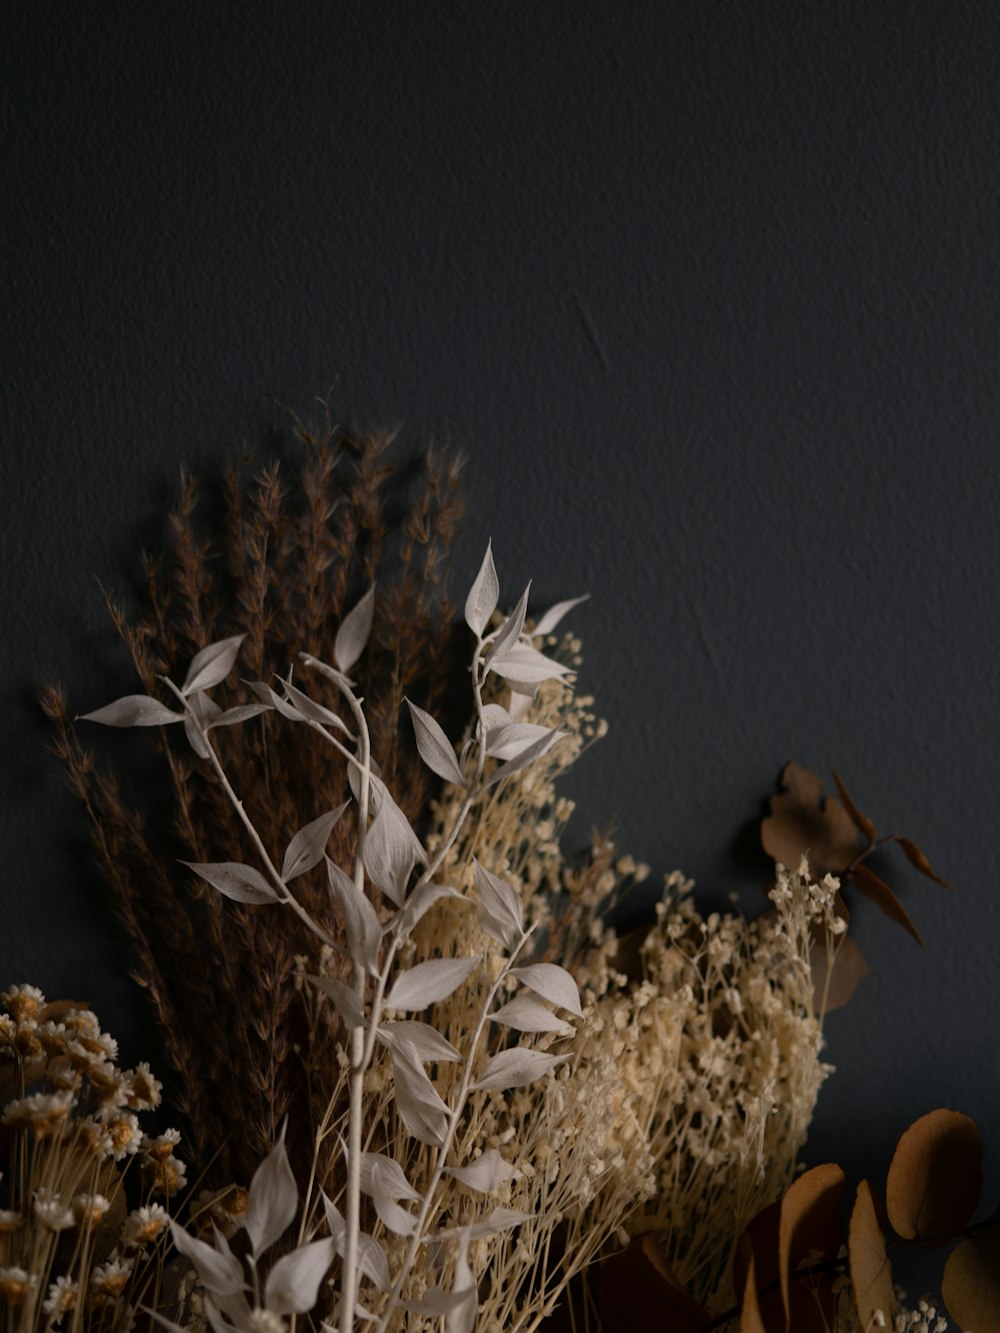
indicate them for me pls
(708, 294)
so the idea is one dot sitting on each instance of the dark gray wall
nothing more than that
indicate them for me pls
(707, 293)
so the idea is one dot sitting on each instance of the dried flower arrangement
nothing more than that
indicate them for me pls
(440, 1090)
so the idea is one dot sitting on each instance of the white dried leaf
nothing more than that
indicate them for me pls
(421, 900)
(310, 709)
(361, 923)
(500, 912)
(293, 1282)
(428, 1043)
(203, 712)
(436, 1302)
(526, 1014)
(347, 1002)
(391, 850)
(273, 1200)
(516, 1068)
(241, 713)
(429, 982)
(500, 1219)
(220, 1271)
(372, 1262)
(134, 710)
(483, 595)
(525, 665)
(486, 1174)
(241, 883)
(381, 1177)
(552, 983)
(270, 699)
(212, 665)
(462, 1319)
(494, 717)
(354, 632)
(436, 750)
(511, 740)
(377, 790)
(509, 632)
(307, 847)
(527, 756)
(555, 614)
(420, 1108)
(521, 697)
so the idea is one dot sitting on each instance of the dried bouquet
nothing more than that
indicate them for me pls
(425, 1084)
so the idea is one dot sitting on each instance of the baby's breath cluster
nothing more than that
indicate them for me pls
(72, 1254)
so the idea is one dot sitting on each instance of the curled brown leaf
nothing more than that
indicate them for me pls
(875, 888)
(936, 1176)
(860, 821)
(919, 861)
(802, 822)
(639, 1292)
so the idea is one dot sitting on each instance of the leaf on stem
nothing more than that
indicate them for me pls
(428, 1043)
(875, 888)
(361, 923)
(526, 1014)
(510, 740)
(500, 912)
(310, 709)
(220, 1271)
(871, 1272)
(483, 595)
(919, 861)
(203, 713)
(241, 883)
(372, 1262)
(800, 822)
(516, 1068)
(554, 615)
(524, 665)
(212, 665)
(936, 1176)
(134, 710)
(860, 821)
(273, 1200)
(808, 1222)
(509, 632)
(486, 1174)
(354, 632)
(640, 1294)
(241, 713)
(552, 983)
(436, 750)
(382, 1178)
(420, 1108)
(420, 901)
(306, 849)
(347, 1002)
(426, 983)
(293, 1282)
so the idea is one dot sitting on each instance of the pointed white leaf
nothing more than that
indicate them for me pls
(347, 1001)
(509, 632)
(436, 1301)
(390, 852)
(212, 665)
(500, 1219)
(220, 1273)
(486, 1174)
(134, 710)
(241, 713)
(500, 911)
(420, 901)
(206, 711)
(381, 1177)
(552, 983)
(354, 632)
(307, 847)
(241, 883)
(372, 1262)
(520, 701)
(527, 1014)
(310, 709)
(429, 982)
(428, 1043)
(483, 595)
(420, 1108)
(377, 790)
(555, 614)
(516, 1068)
(436, 750)
(393, 1215)
(527, 756)
(509, 741)
(273, 1200)
(361, 923)
(527, 666)
(293, 1282)
(268, 698)
(494, 717)
(337, 1223)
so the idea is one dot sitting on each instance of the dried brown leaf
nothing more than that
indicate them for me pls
(970, 1287)
(639, 1293)
(834, 987)
(875, 888)
(919, 861)
(936, 1175)
(808, 1222)
(801, 822)
(871, 1272)
(751, 1319)
(860, 821)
